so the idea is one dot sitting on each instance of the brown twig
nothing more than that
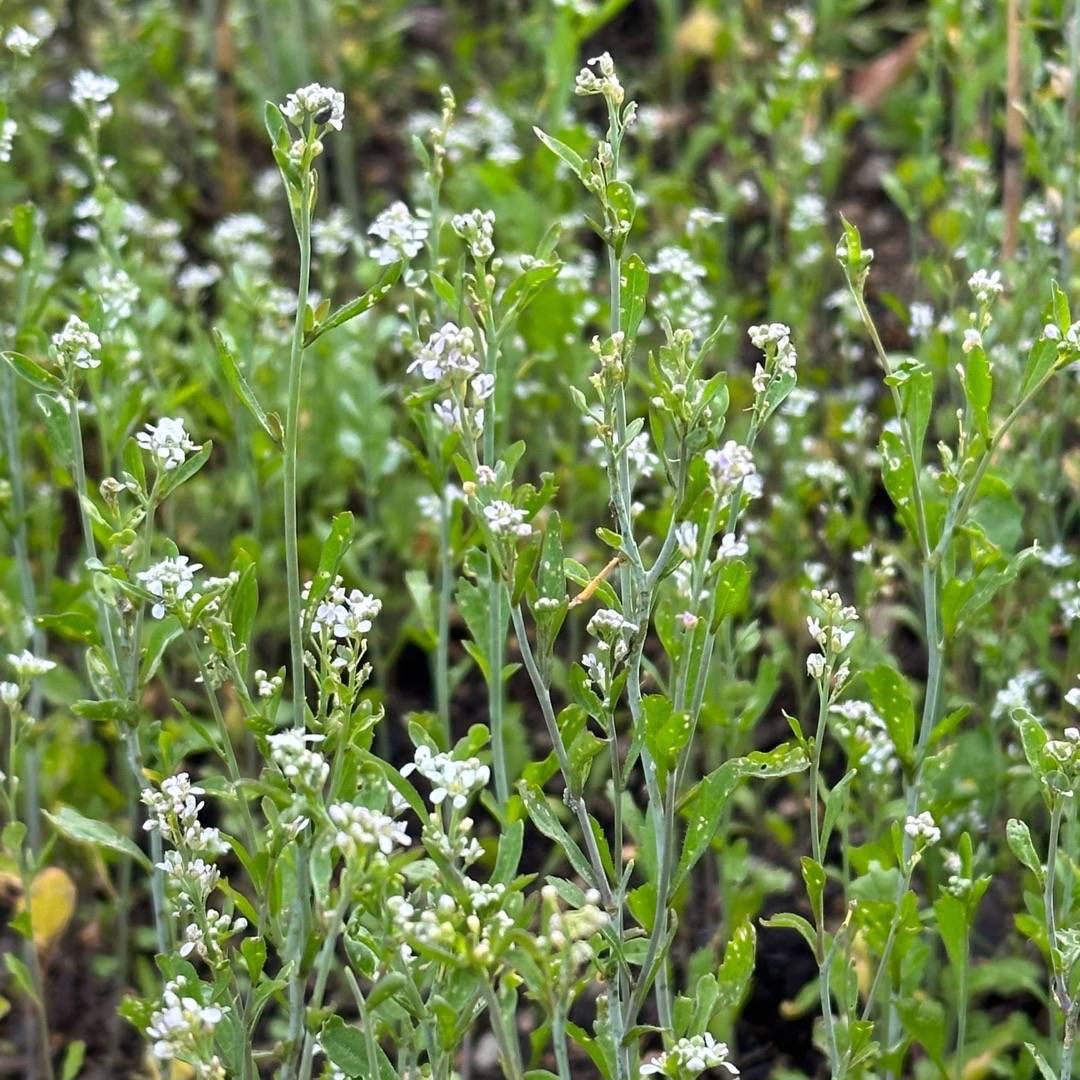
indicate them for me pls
(595, 583)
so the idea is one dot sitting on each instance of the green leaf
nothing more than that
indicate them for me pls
(1043, 1065)
(635, 288)
(86, 830)
(979, 388)
(240, 386)
(1018, 836)
(58, 423)
(333, 551)
(509, 854)
(790, 921)
(74, 1057)
(916, 385)
(891, 697)
(1041, 359)
(21, 974)
(737, 968)
(358, 306)
(666, 731)
(561, 150)
(950, 913)
(33, 373)
(732, 590)
(898, 476)
(543, 817)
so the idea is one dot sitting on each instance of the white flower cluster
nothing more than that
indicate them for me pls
(182, 1028)
(922, 829)
(333, 235)
(477, 229)
(21, 41)
(774, 340)
(303, 767)
(241, 240)
(28, 666)
(690, 1057)
(1067, 594)
(602, 81)
(733, 465)
(402, 235)
(322, 104)
(267, 685)
(1016, 694)
(207, 942)
(683, 299)
(118, 294)
(344, 614)
(77, 344)
(173, 811)
(481, 130)
(832, 637)
(170, 581)
(448, 355)
(361, 829)
(8, 130)
(506, 520)
(91, 93)
(986, 286)
(612, 632)
(194, 278)
(167, 442)
(859, 721)
(451, 778)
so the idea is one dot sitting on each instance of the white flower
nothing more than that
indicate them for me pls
(8, 130)
(815, 665)
(170, 581)
(10, 693)
(731, 547)
(182, 1024)
(986, 286)
(20, 41)
(731, 465)
(922, 319)
(322, 103)
(344, 614)
(91, 92)
(1072, 697)
(450, 777)
(689, 1057)
(449, 354)
(333, 235)
(505, 519)
(360, 827)
(686, 536)
(195, 279)
(972, 340)
(77, 343)
(402, 234)
(167, 442)
(922, 828)
(28, 666)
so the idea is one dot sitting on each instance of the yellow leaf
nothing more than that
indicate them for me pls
(52, 903)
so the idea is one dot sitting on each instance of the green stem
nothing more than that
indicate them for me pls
(300, 915)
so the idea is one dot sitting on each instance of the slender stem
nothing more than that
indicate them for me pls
(819, 909)
(442, 654)
(962, 1011)
(322, 970)
(300, 915)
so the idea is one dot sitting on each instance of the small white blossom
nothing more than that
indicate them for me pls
(322, 104)
(986, 286)
(28, 666)
(505, 519)
(922, 829)
(91, 92)
(690, 1057)
(169, 581)
(167, 442)
(477, 229)
(402, 235)
(8, 130)
(359, 827)
(77, 344)
(20, 41)
(450, 777)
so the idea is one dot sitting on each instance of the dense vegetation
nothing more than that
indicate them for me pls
(519, 563)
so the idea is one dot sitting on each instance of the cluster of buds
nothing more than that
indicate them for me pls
(477, 229)
(613, 634)
(173, 811)
(603, 81)
(361, 830)
(774, 340)
(987, 287)
(304, 768)
(832, 634)
(565, 939)
(207, 940)
(922, 829)
(76, 347)
(312, 109)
